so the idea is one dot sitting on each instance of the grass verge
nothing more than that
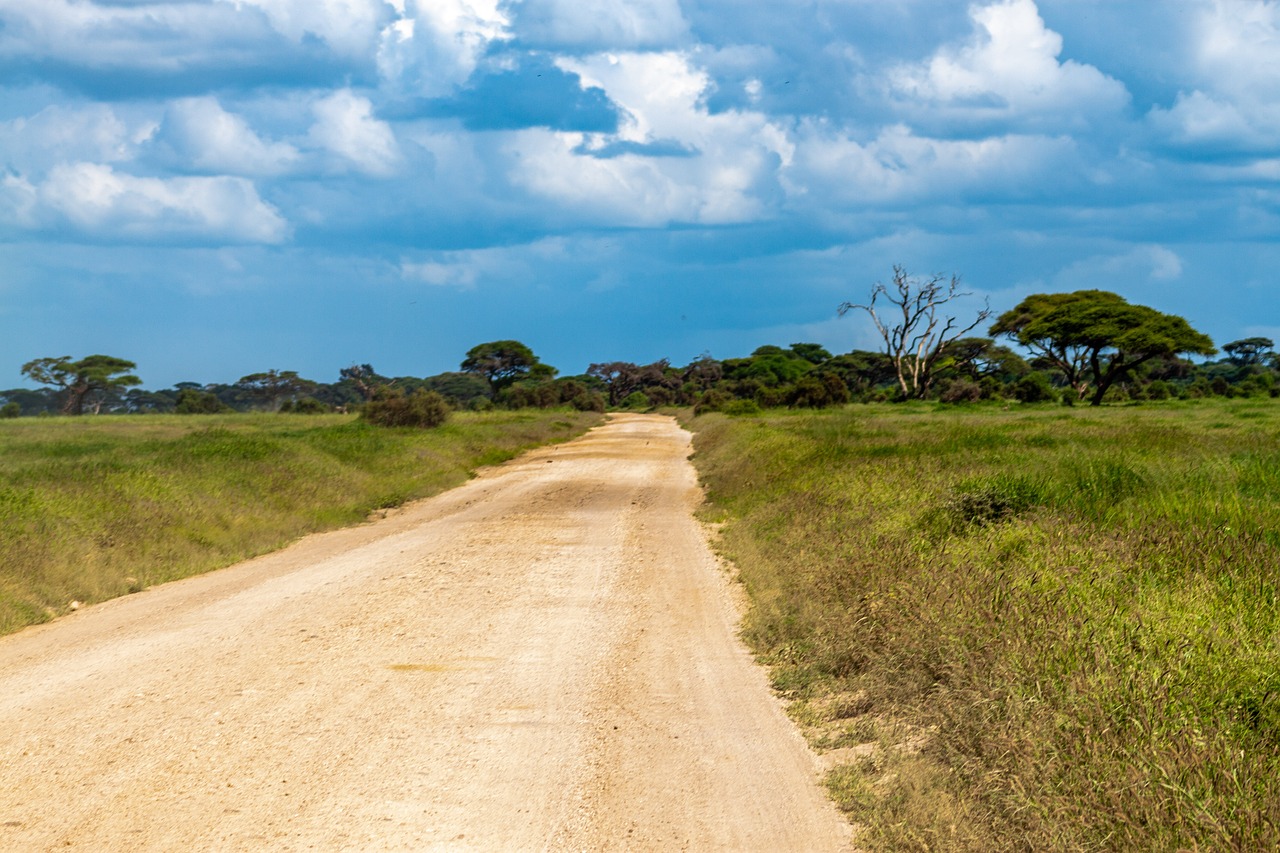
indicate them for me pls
(1032, 629)
(92, 508)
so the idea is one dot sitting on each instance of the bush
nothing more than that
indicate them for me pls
(193, 402)
(10, 410)
(962, 391)
(390, 407)
(1158, 389)
(818, 392)
(741, 407)
(636, 400)
(1035, 387)
(305, 406)
(712, 401)
(588, 401)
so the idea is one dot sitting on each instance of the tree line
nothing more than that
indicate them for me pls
(1090, 346)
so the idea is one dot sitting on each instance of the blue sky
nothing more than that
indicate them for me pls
(212, 188)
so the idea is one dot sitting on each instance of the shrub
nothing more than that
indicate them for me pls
(962, 391)
(1158, 389)
(193, 402)
(712, 401)
(1035, 387)
(391, 407)
(10, 410)
(741, 407)
(636, 400)
(819, 392)
(588, 401)
(306, 406)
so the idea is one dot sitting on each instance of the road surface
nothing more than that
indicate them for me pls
(542, 659)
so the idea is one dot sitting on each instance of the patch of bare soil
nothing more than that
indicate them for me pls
(543, 659)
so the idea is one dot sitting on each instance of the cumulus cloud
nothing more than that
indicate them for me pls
(208, 138)
(593, 24)
(898, 167)
(1235, 99)
(436, 45)
(98, 201)
(350, 27)
(62, 133)
(345, 125)
(1147, 264)
(165, 36)
(1009, 73)
(725, 168)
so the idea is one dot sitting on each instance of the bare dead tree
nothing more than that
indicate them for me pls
(915, 341)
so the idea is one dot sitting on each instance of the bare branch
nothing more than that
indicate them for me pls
(914, 343)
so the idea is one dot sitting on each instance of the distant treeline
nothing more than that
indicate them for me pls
(506, 374)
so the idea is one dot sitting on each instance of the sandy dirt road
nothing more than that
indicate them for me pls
(542, 659)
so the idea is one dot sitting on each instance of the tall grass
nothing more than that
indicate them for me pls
(91, 508)
(1050, 629)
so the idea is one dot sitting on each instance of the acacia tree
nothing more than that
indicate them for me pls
(92, 375)
(1095, 337)
(275, 386)
(1248, 351)
(501, 362)
(363, 378)
(915, 332)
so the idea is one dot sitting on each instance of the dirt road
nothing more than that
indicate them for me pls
(543, 659)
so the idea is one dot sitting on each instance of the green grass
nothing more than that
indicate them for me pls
(1062, 625)
(92, 508)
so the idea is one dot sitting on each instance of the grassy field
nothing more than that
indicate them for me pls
(92, 508)
(1024, 629)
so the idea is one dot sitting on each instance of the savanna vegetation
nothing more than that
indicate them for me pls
(1033, 604)
(1090, 346)
(92, 508)
(1026, 628)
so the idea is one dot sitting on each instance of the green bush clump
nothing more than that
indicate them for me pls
(391, 407)
(636, 400)
(588, 401)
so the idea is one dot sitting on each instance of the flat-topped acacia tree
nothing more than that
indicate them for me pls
(1095, 337)
(502, 363)
(81, 379)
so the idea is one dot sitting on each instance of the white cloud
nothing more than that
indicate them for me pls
(99, 201)
(1236, 66)
(61, 133)
(1008, 72)
(345, 125)
(350, 27)
(617, 24)
(671, 159)
(153, 36)
(436, 44)
(465, 268)
(1144, 264)
(209, 138)
(900, 167)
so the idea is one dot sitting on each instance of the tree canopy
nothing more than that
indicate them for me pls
(94, 375)
(1095, 337)
(501, 362)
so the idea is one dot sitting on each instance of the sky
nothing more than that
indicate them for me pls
(212, 188)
